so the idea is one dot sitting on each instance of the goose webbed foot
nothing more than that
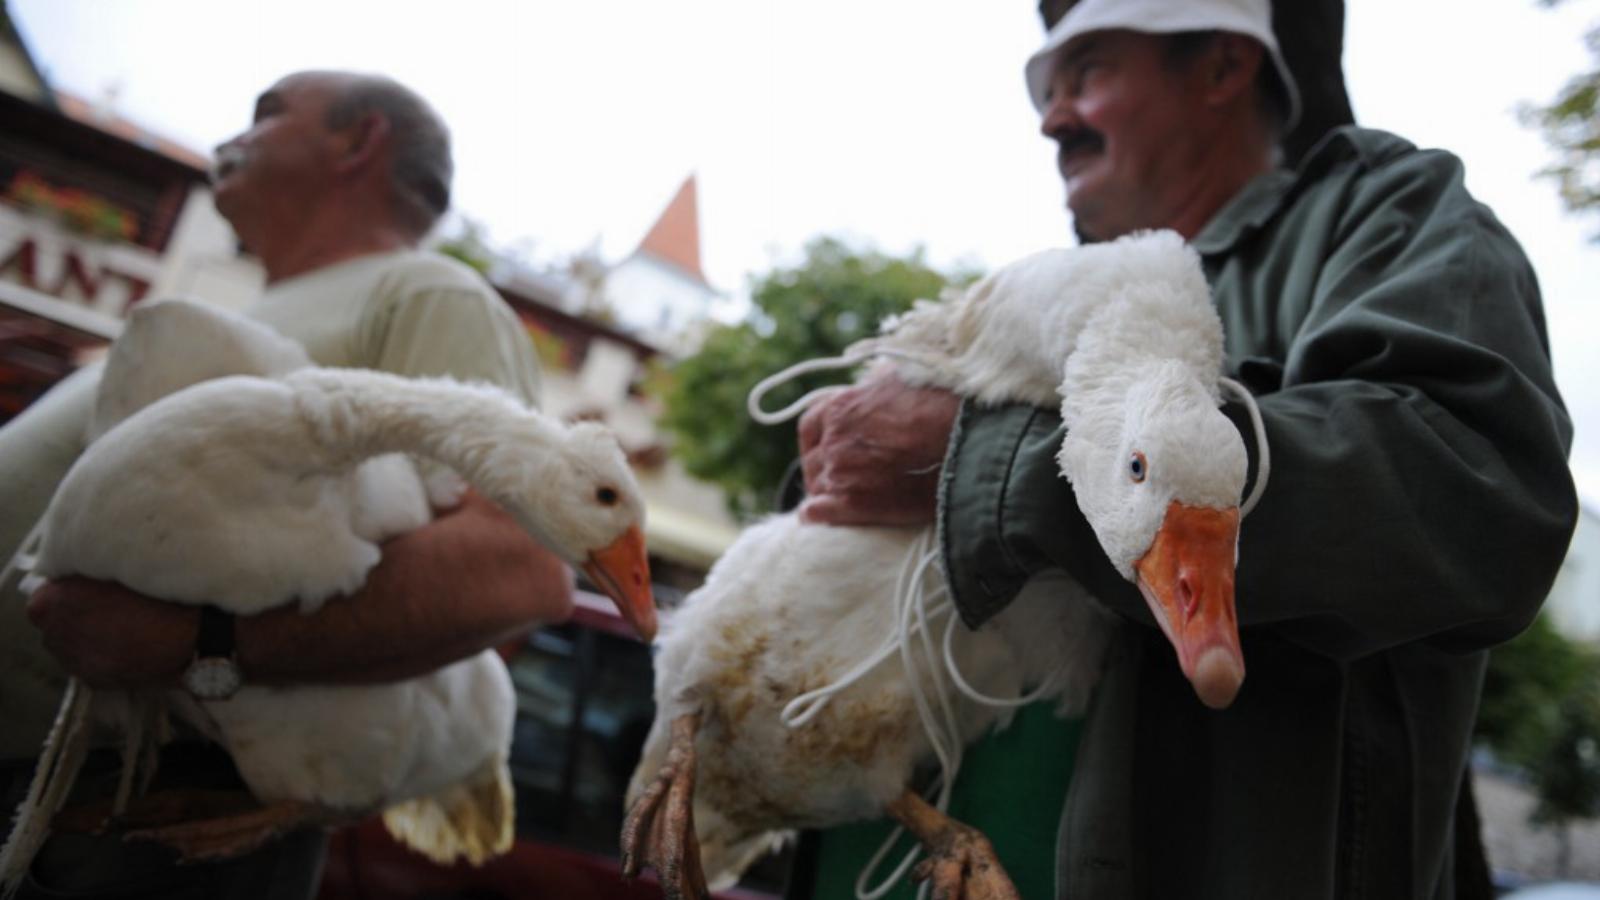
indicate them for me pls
(659, 829)
(961, 862)
(232, 834)
(167, 807)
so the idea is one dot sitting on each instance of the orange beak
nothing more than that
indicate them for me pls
(622, 571)
(1187, 578)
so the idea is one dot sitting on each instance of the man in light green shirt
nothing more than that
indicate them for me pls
(332, 187)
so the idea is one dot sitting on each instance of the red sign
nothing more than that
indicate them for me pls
(76, 279)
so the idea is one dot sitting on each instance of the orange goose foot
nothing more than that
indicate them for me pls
(167, 807)
(659, 829)
(961, 862)
(228, 836)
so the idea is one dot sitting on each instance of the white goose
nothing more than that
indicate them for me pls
(777, 704)
(254, 491)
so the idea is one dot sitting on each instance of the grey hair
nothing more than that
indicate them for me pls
(421, 145)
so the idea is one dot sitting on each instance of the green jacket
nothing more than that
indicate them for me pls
(1418, 507)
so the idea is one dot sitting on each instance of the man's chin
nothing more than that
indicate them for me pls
(1086, 230)
(1087, 221)
(221, 196)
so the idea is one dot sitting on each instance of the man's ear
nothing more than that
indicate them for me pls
(364, 141)
(1231, 66)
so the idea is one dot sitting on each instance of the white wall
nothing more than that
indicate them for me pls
(16, 76)
(656, 300)
(1574, 601)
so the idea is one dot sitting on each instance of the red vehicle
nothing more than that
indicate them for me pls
(583, 709)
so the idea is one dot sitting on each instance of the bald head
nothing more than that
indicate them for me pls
(333, 165)
(421, 167)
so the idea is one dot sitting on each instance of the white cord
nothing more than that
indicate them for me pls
(860, 352)
(1263, 453)
(849, 360)
(21, 563)
(917, 609)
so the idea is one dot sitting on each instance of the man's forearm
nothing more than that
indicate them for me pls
(467, 581)
(462, 583)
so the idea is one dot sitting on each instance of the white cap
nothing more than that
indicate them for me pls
(1248, 17)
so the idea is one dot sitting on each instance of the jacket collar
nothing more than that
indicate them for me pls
(1268, 193)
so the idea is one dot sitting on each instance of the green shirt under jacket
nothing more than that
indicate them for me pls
(1418, 507)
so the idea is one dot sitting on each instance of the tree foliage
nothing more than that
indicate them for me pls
(1540, 712)
(469, 244)
(835, 297)
(1571, 125)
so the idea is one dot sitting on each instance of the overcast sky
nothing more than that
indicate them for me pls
(894, 123)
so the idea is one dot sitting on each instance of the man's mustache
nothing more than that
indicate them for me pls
(228, 157)
(1077, 139)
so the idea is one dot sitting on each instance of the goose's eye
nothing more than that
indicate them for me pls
(607, 496)
(1137, 467)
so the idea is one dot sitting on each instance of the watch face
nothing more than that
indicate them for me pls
(213, 678)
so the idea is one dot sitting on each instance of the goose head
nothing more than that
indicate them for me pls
(1159, 477)
(583, 503)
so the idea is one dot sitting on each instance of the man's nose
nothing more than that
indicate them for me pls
(1059, 116)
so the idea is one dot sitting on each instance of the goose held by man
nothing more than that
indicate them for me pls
(1121, 336)
(253, 491)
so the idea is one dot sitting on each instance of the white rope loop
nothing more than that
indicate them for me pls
(865, 893)
(917, 608)
(1263, 453)
(20, 566)
(858, 353)
(849, 360)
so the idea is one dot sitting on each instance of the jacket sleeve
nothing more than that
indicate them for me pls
(1418, 487)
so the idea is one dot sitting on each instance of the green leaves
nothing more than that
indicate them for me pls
(1571, 125)
(1541, 713)
(836, 297)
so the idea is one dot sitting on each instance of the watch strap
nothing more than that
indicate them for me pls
(216, 636)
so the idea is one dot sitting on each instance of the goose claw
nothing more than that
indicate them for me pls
(234, 835)
(659, 829)
(961, 863)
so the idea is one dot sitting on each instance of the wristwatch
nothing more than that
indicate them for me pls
(214, 673)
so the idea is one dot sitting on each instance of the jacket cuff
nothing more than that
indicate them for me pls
(1000, 466)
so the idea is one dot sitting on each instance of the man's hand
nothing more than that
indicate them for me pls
(110, 636)
(871, 453)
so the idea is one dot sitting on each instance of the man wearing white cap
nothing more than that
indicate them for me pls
(1419, 504)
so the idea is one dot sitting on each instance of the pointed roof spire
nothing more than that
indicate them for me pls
(675, 237)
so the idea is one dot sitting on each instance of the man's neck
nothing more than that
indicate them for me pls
(1209, 196)
(309, 258)
(342, 235)
(1219, 177)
